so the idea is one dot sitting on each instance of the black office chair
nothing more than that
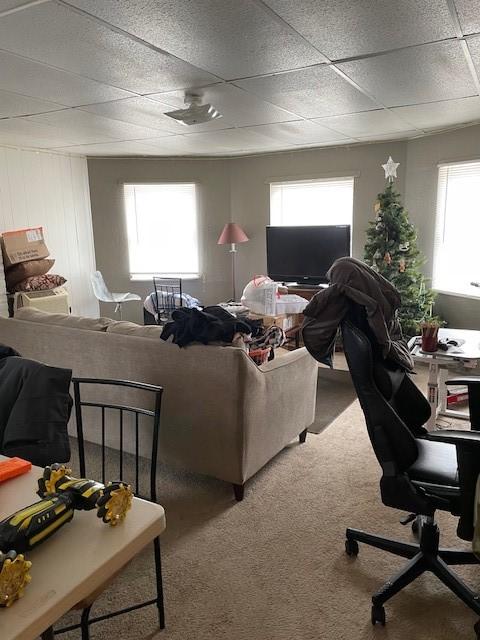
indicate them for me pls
(125, 471)
(421, 471)
(168, 297)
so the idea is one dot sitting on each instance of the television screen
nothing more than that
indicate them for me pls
(305, 254)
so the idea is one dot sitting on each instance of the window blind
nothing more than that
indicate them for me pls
(162, 230)
(457, 229)
(326, 201)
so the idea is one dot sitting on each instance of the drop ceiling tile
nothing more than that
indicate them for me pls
(366, 123)
(57, 36)
(474, 48)
(229, 38)
(469, 15)
(7, 5)
(88, 128)
(309, 93)
(13, 104)
(150, 113)
(345, 28)
(26, 133)
(296, 133)
(436, 115)
(128, 148)
(30, 78)
(420, 74)
(238, 107)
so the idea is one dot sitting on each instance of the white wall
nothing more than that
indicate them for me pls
(50, 190)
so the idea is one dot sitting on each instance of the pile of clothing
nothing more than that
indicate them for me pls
(216, 325)
(353, 281)
(167, 300)
(35, 406)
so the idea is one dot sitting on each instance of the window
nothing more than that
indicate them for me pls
(312, 202)
(162, 230)
(457, 229)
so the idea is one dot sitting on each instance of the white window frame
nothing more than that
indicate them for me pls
(441, 254)
(132, 227)
(278, 182)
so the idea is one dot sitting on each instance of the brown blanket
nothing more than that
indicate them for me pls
(353, 281)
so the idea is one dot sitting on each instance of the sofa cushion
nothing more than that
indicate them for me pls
(63, 319)
(131, 329)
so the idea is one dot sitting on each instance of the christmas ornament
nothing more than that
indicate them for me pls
(404, 247)
(387, 258)
(390, 169)
(401, 265)
(377, 207)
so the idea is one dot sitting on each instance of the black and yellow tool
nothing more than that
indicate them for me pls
(61, 496)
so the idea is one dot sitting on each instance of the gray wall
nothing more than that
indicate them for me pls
(238, 189)
(107, 177)
(250, 191)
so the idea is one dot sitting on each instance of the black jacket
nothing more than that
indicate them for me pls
(214, 324)
(35, 406)
(353, 281)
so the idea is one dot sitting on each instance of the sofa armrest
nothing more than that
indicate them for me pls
(285, 360)
(279, 404)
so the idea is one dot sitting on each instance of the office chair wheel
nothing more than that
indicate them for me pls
(415, 527)
(351, 547)
(378, 614)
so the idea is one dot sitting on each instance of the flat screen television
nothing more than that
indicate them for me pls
(305, 254)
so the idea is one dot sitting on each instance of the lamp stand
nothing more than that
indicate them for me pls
(233, 251)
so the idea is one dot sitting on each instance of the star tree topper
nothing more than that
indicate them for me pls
(390, 169)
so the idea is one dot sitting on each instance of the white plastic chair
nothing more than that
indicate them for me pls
(103, 294)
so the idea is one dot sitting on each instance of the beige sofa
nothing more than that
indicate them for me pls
(222, 415)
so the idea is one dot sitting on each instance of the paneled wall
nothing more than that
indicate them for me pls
(50, 190)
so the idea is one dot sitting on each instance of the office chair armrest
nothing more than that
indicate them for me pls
(465, 380)
(456, 437)
(473, 384)
(468, 460)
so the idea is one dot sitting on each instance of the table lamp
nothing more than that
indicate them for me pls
(232, 234)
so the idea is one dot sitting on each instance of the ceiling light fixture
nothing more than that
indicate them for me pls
(195, 112)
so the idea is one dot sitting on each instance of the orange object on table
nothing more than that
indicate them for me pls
(13, 467)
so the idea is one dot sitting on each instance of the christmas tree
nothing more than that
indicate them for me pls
(391, 249)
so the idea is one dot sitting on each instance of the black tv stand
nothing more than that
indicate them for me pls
(301, 285)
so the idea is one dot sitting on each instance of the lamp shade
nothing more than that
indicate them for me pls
(232, 233)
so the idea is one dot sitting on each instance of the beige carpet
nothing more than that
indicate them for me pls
(335, 393)
(273, 567)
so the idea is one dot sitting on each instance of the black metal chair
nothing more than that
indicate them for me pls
(421, 471)
(168, 297)
(123, 473)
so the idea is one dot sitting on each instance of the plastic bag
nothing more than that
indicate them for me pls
(260, 296)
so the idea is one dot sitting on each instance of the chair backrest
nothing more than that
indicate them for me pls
(168, 297)
(394, 409)
(100, 289)
(122, 410)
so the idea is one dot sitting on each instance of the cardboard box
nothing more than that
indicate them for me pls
(23, 245)
(285, 321)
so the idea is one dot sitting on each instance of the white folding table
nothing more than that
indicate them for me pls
(74, 562)
(466, 355)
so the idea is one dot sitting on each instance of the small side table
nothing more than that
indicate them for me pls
(465, 355)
